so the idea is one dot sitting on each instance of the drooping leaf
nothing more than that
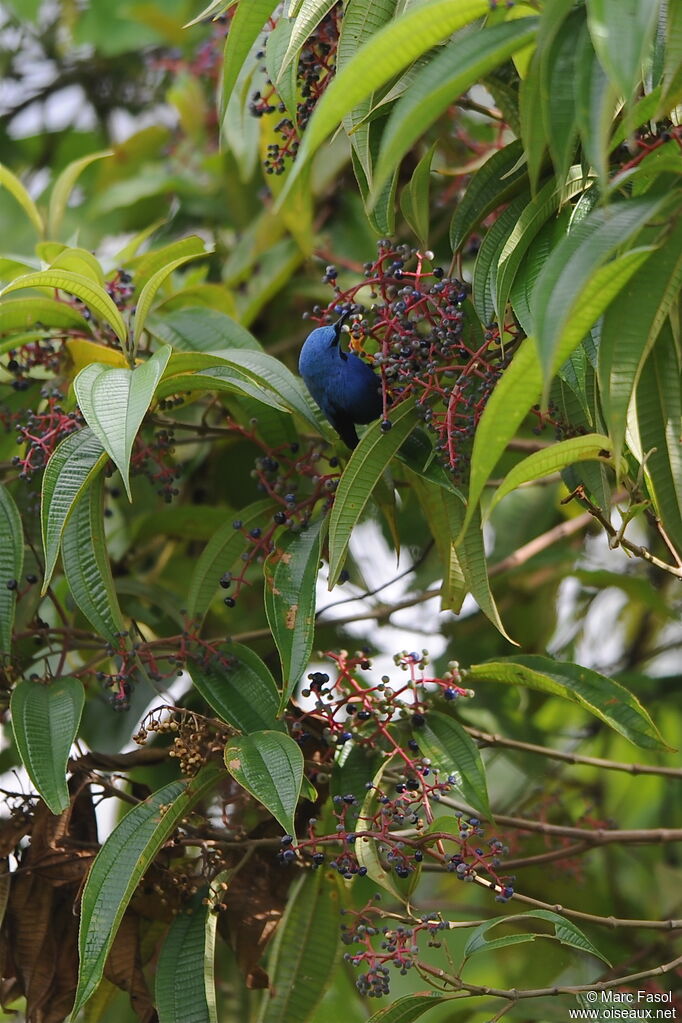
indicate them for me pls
(114, 403)
(86, 564)
(364, 469)
(239, 687)
(269, 765)
(565, 932)
(408, 1008)
(471, 554)
(74, 464)
(622, 32)
(308, 933)
(219, 556)
(14, 186)
(366, 850)
(309, 15)
(602, 696)
(18, 314)
(290, 576)
(246, 25)
(587, 447)
(45, 721)
(452, 751)
(63, 187)
(485, 268)
(11, 565)
(120, 865)
(496, 182)
(82, 287)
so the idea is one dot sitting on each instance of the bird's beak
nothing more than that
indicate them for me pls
(338, 325)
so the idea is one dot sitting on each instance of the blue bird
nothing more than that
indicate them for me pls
(346, 388)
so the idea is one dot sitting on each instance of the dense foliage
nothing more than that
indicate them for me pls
(228, 796)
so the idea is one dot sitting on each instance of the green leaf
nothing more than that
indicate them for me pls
(533, 217)
(239, 687)
(514, 394)
(219, 556)
(73, 465)
(622, 32)
(270, 373)
(409, 1007)
(444, 514)
(14, 186)
(383, 56)
(450, 73)
(80, 261)
(86, 564)
(500, 178)
(201, 329)
(414, 198)
(575, 287)
(606, 699)
(11, 566)
(75, 284)
(471, 554)
(290, 574)
(148, 264)
(659, 425)
(532, 121)
(452, 751)
(179, 988)
(269, 765)
(588, 447)
(631, 326)
(595, 101)
(557, 70)
(564, 931)
(63, 186)
(361, 475)
(276, 48)
(17, 314)
(45, 721)
(485, 267)
(246, 25)
(310, 14)
(366, 850)
(119, 867)
(115, 401)
(308, 934)
(148, 293)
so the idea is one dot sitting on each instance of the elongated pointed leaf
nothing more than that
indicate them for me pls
(290, 578)
(452, 751)
(514, 394)
(622, 32)
(180, 988)
(87, 567)
(408, 1008)
(659, 423)
(239, 687)
(471, 554)
(383, 56)
(269, 765)
(496, 182)
(148, 293)
(219, 556)
(310, 14)
(602, 696)
(200, 329)
(120, 865)
(591, 446)
(564, 931)
(308, 933)
(11, 565)
(631, 326)
(246, 25)
(366, 849)
(450, 73)
(45, 721)
(148, 264)
(63, 187)
(361, 475)
(24, 313)
(114, 403)
(93, 295)
(74, 464)
(571, 293)
(492, 246)
(14, 186)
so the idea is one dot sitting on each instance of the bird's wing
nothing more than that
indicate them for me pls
(343, 424)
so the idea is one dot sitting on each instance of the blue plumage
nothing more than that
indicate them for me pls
(346, 388)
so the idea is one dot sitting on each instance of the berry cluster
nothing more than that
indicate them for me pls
(196, 739)
(411, 322)
(41, 432)
(316, 67)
